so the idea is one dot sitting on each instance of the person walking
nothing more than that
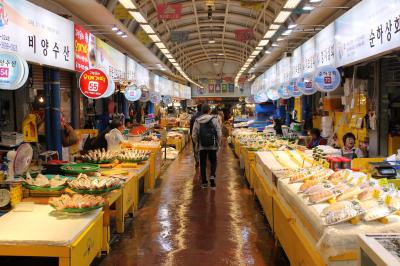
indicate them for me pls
(192, 120)
(207, 138)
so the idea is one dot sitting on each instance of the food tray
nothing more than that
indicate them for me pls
(80, 168)
(81, 210)
(47, 189)
(95, 191)
(134, 161)
(99, 161)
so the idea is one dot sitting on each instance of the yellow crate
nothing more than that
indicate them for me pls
(15, 194)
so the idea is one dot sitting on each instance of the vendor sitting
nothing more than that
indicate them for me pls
(348, 150)
(316, 139)
(100, 141)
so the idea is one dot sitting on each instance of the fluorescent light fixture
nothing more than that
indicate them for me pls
(282, 16)
(124, 36)
(148, 29)
(274, 27)
(263, 42)
(220, 54)
(127, 4)
(275, 44)
(315, 1)
(138, 16)
(252, 57)
(175, 64)
(164, 50)
(160, 45)
(171, 59)
(114, 28)
(120, 32)
(255, 53)
(287, 32)
(292, 26)
(211, 41)
(308, 8)
(169, 56)
(291, 4)
(269, 34)
(259, 48)
(267, 52)
(280, 39)
(154, 37)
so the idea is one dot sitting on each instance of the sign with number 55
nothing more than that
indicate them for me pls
(93, 83)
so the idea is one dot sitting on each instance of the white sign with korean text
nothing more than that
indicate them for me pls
(296, 65)
(130, 69)
(308, 56)
(112, 61)
(142, 76)
(284, 70)
(325, 47)
(36, 34)
(369, 28)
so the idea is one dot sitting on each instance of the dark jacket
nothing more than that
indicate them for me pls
(196, 131)
(193, 119)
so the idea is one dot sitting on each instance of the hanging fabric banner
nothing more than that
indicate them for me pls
(169, 11)
(244, 35)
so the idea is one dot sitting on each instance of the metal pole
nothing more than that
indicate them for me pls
(55, 110)
(47, 114)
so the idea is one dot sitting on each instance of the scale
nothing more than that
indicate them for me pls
(383, 170)
(18, 163)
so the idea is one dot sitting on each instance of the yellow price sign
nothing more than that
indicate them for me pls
(383, 182)
(388, 199)
(376, 193)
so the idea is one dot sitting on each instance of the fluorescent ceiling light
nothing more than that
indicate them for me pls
(169, 56)
(282, 16)
(138, 16)
(292, 26)
(255, 53)
(148, 29)
(274, 27)
(259, 48)
(287, 32)
(220, 54)
(127, 4)
(164, 50)
(308, 8)
(269, 34)
(124, 36)
(263, 42)
(211, 41)
(160, 45)
(120, 32)
(280, 39)
(291, 4)
(114, 28)
(171, 59)
(154, 37)
(275, 44)
(267, 52)
(175, 64)
(315, 1)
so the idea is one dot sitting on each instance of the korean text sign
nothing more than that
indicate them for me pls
(36, 34)
(93, 83)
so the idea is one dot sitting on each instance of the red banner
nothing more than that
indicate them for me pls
(81, 44)
(244, 35)
(93, 83)
(169, 11)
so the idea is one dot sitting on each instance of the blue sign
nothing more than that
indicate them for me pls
(294, 91)
(283, 92)
(273, 94)
(261, 96)
(327, 78)
(305, 84)
(132, 93)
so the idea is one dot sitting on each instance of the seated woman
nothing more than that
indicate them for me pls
(316, 139)
(100, 141)
(348, 150)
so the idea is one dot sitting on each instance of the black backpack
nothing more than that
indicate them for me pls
(208, 134)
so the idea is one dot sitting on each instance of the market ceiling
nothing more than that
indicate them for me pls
(212, 48)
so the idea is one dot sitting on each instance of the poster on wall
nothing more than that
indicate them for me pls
(231, 87)
(224, 87)
(81, 48)
(211, 88)
(36, 34)
(357, 40)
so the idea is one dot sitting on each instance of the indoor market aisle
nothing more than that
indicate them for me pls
(182, 224)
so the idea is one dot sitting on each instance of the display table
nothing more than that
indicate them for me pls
(298, 225)
(156, 161)
(74, 239)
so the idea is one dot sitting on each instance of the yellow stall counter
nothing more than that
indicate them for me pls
(74, 239)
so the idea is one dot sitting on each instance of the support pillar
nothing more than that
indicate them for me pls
(47, 108)
(55, 110)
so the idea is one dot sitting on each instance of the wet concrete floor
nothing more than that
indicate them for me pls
(183, 224)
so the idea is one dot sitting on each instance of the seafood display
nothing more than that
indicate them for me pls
(133, 155)
(341, 215)
(44, 182)
(76, 201)
(99, 156)
(99, 184)
(378, 212)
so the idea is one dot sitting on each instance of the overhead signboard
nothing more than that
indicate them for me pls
(369, 28)
(244, 35)
(308, 56)
(93, 83)
(131, 69)
(111, 60)
(36, 34)
(296, 63)
(142, 76)
(325, 46)
(169, 11)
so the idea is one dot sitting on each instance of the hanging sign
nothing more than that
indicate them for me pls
(111, 60)
(132, 93)
(179, 36)
(327, 78)
(273, 94)
(93, 83)
(169, 11)
(295, 64)
(308, 56)
(244, 35)
(155, 97)
(14, 71)
(283, 92)
(293, 89)
(305, 84)
(81, 48)
(325, 46)
(261, 96)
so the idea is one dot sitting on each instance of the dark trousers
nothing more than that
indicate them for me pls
(212, 156)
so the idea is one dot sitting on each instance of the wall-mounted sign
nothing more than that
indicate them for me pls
(283, 92)
(273, 94)
(142, 76)
(14, 71)
(132, 93)
(169, 11)
(179, 36)
(305, 84)
(243, 35)
(327, 78)
(93, 83)
(81, 48)
(293, 89)
(111, 60)
(296, 63)
(308, 56)
(36, 34)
